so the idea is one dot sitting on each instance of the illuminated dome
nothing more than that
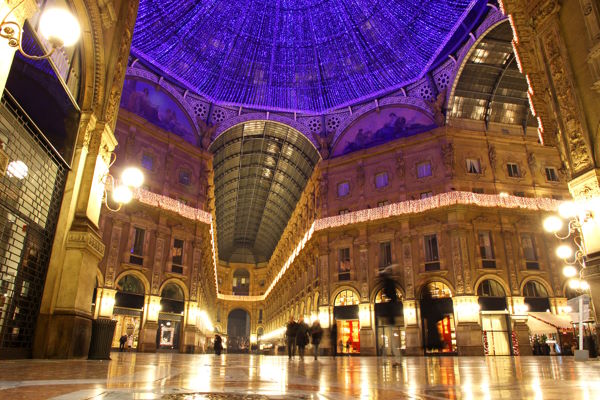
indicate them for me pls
(296, 55)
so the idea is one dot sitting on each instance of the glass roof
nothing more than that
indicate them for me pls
(296, 55)
(261, 169)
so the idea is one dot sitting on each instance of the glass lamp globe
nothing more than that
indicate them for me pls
(569, 271)
(122, 194)
(59, 27)
(568, 209)
(132, 177)
(564, 251)
(583, 285)
(17, 169)
(575, 284)
(553, 224)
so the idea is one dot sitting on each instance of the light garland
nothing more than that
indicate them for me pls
(371, 214)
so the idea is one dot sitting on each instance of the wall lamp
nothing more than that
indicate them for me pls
(57, 25)
(122, 193)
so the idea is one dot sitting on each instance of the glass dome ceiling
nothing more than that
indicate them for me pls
(295, 55)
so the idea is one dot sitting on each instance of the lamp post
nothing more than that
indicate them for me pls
(122, 193)
(577, 214)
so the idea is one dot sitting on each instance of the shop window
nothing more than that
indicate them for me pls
(473, 166)
(423, 169)
(137, 247)
(343, 189)
(513, 170)
(529, 252)
(185, 177)
(381, 180)
(385, 254)
(551, 175)
(177, 256)
(344, 264)
(147, 162)
(486, 249)
(426, 195)
(432, 259)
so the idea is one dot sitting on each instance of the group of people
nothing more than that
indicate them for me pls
(125, 340)
(298, 335)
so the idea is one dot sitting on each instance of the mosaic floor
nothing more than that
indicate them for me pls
(206, 377)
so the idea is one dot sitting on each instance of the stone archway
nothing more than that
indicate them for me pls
(238, 331)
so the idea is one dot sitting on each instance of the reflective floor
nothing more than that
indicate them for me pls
(183, 376)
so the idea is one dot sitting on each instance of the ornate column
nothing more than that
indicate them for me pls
(147, 340)
(518, 315)
(468, 329)
(191, 333)
(18, 15)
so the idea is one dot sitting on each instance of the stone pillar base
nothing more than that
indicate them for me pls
(325, 345)
(65, 335)
(147, 343)
(414, 346)
(190, 340)
(367, 342)
(468, 339)
(522, 332)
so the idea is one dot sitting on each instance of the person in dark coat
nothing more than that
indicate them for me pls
(316, 333)
(218, 345)
(290, 335)
(334, 342)
(301, 336)
(122, 341)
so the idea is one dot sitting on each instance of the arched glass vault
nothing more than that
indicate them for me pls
(261, 169)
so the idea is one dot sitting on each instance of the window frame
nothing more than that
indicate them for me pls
(553, 173)
(513, 170)
(387, 179)
(339, 185)
(423, 164)
(147, 156)
(346, 261)
(473, 162)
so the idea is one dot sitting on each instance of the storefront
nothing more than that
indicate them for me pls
(345, 312)
(391, 336)
(437, 319)
(550, 333)
(170, 318)
(495, 322)
(129, 305)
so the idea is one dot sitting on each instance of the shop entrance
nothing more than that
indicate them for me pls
(172, 305)
(129, 304)
(437, 319)
(345, 313)
(495, 325)
(390, 324)
(238, 331)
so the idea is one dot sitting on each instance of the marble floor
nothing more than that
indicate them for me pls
(183, 376)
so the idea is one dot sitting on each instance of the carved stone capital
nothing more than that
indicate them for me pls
(586, 185)
(85, 240)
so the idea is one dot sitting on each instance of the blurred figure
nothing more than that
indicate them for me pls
(301, 336)
(316, 334)
(388, 287)
(122, 341)
(334, 342)
(290, 335)
(218, 345)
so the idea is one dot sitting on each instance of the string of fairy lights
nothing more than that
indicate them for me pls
(360, 216)
(307, 56)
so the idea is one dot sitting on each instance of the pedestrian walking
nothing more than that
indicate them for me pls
(122, 341)
(218, 345)
(316, 333)
(301, 337)
(290, 335)
(388, 286)
(334, 342)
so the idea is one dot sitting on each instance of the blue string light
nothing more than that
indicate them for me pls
(295, 55)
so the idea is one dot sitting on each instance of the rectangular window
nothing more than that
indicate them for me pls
(478, 190)
(513, 170)
(177, 252)
(260, 316)
(529, 253)
(486, 249)
(385, 254)
(381, 180)
(343, 189)
(519, 194)
(137, 247)
(432, 259)
(344, 264)
(147, 161)
(344, 211)
(423, 169)
(383, 203)
(184, 177)
(426, 195)
(551, 175)
(473, 166)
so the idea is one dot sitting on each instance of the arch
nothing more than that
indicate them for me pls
(493, 277)
(346, 295)
(437, 280)
(99, 278)
(378, 288)
(238, 329)
(490, 288)
(316, 302)
(172, 291)
(139, 276)
(380, 297)
(178, 282)
(535, 286)
(258, 116)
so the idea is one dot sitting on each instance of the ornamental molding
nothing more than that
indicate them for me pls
(87, 241)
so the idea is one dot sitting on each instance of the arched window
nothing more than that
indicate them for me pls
(172, 299)
(130, 284)
(346, 298)
(241, 282)
(380, 297)
(436, 290)
(490, 288)
(534, 289)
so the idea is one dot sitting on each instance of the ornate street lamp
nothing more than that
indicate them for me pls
(122, 191)
(577, 214)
